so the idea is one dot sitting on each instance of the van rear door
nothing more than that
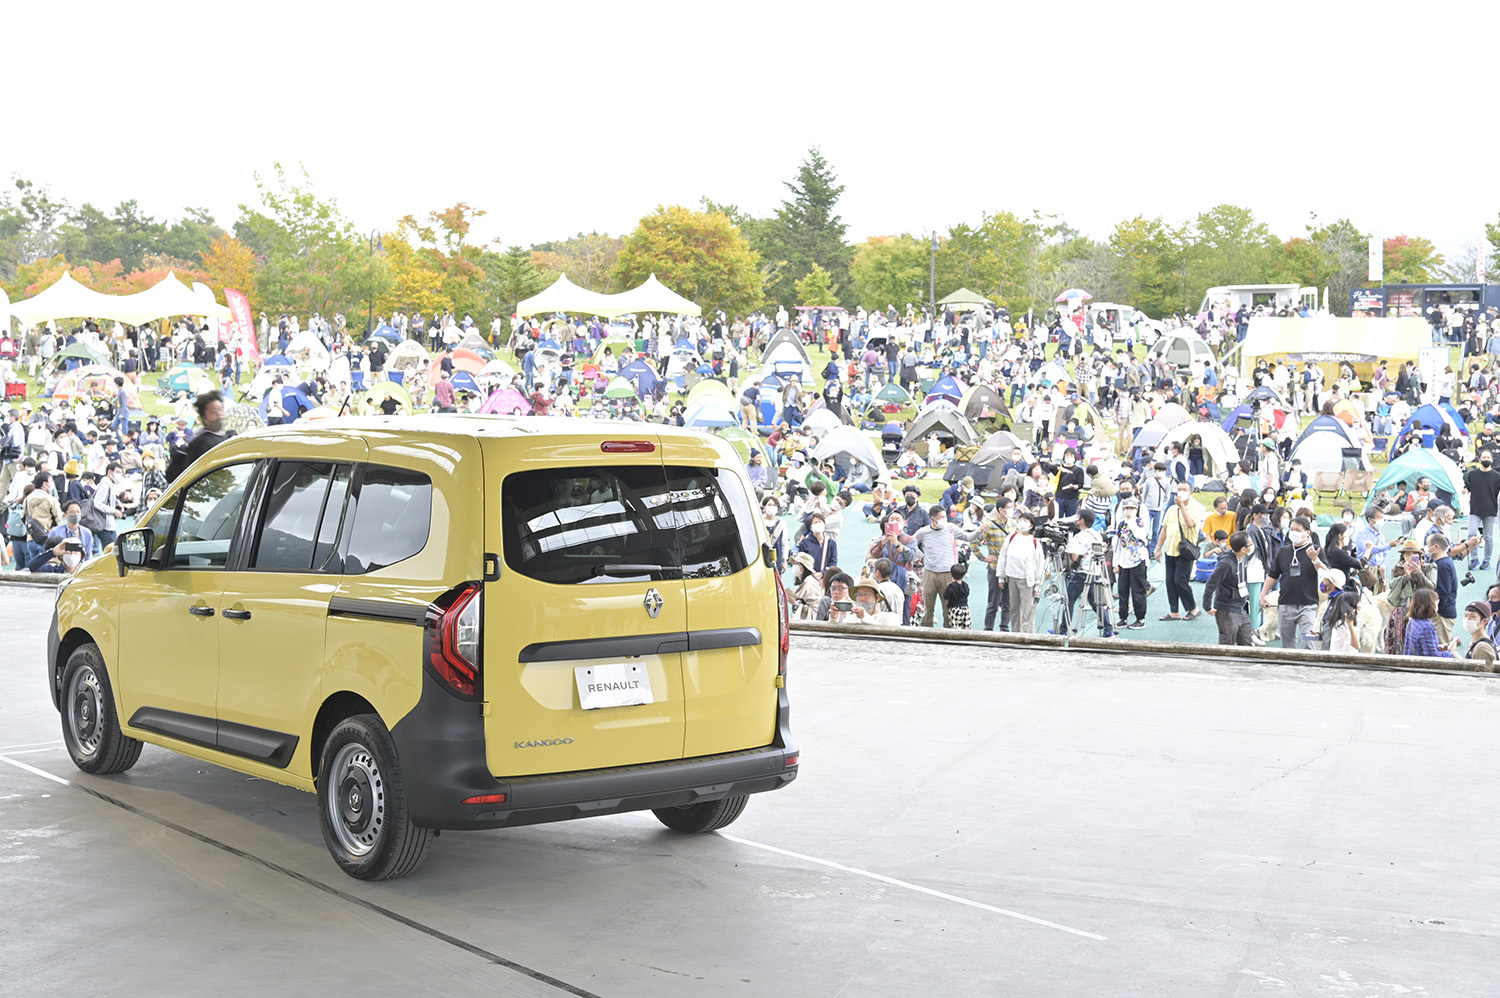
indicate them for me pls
(585, 626)
(730, 667)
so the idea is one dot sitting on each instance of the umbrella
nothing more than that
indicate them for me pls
(708, 413)
(1073, 294)
(619, 388)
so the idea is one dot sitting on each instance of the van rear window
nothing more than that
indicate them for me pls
(392, 516)
(630, 523)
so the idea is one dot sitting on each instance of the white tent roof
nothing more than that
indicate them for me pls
(1219, 451)
(210, 305)
(168, 296)
(565, 296)
(847, 441)
(65, 299)
(652, 296)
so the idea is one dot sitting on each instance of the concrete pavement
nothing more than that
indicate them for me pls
(969, 820)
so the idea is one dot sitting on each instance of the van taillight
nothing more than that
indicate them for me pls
(784, 622)
(450, 642)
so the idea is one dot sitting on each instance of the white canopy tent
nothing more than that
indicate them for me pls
(565, 296)
(207, 302)
(653, 296)
(65, 299)
(168, 296)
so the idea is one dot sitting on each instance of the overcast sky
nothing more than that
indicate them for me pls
(561, 117)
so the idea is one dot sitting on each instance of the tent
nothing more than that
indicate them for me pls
(65, 299)
(277, 360)
(1432, 417)
(292, 399)
(615, 345)
(891, 401)
(209, 308)
(168, 296)
(684, 358)
(368, 401)
(390, 334)
(708, 413)
(81, 351)
(473, 341)
(643, 376)
(619, 388)
(964, 300)
(943, 419)
(95, 381)
(1052, 373)
(710, 388)
(1424, 462)
(1185, 350)
(1151, 433)
(1246, 413)
(1326, 339)
(784, 354)
(1219, 453)
(997, 447)
(507, 402)
(407, 355)
(652, 296)
(845, 442)
(1327, 444)
(1265, 393)
(307, 351)
(946, 389)
(497, 368)
(821, 420)
(565, 296)
(744, 442)
(188, 378)
(464, 381)
(980, 398)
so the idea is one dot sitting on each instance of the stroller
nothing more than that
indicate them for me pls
(890, 442)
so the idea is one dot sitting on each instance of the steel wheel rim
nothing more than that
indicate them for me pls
(85, 711)
(356, 802)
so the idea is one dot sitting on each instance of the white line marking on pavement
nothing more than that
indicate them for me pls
(912, 887)
(34, 771)
(30, 746)
(31, 751)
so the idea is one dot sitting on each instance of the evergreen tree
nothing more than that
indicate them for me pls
(807, 230)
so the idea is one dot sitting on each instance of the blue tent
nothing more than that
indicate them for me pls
(641, 374)
(1431, 417)
(387, 333)
(277, 360)
(463, 381)
(1239, 413)
(292, 399)
(550, 344)
(947, 388)
(1325, 424)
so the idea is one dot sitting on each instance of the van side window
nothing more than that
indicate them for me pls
(391, 515)
(296, 508)
(160, 526)
(210, 512)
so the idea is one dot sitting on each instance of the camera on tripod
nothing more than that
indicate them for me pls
(1053, 534)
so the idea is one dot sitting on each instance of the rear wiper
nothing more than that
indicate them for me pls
(619, 568)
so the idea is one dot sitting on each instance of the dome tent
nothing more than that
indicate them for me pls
(1423, 462)
(1219, 453)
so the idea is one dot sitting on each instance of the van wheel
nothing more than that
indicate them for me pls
(705, 817)
(362, 804)
(90, 727)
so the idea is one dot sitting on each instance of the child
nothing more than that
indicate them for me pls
(956, 598)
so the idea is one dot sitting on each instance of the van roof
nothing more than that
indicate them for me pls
(452, 424)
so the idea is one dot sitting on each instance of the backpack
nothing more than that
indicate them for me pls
(15, 521)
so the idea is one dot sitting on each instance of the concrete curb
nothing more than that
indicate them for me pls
(1118, 645)
(31, 578)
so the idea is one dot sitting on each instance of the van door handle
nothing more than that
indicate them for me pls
(237, 614)
(201, 611)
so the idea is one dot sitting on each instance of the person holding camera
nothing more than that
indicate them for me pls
(1178, 542)
(1087, 569)
(66, 546)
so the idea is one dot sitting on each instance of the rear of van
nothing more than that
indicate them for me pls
(626, 645)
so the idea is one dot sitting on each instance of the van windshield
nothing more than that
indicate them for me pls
(626, 523)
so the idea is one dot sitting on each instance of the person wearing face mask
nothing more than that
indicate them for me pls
(776, 534)
(992, 536)
(1477, 616)
(107, 505)
(66, 546)
(1483, 487)
(1023, 565)
(807, 587)
(1177, 548)
(1069, 485)
(1156, 497)
(1371, 546)
(1226, 595)
(1130, 540)
(1337, 552)
(938, 544)
(819, 544)
(1293, 572)
(210, 406)
(911, 508)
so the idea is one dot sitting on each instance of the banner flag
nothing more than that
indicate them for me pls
(239, 307)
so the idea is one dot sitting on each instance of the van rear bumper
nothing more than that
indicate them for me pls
(441, 745)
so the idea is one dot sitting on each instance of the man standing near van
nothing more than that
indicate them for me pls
(938, 542)
(210, 406)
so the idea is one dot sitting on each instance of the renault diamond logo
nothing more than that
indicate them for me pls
(654, 602)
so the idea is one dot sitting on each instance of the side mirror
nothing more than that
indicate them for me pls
(133, 549)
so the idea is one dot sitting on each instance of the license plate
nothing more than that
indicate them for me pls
(618, 684)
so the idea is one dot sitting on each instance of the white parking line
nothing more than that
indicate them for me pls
(30, 747)
(34, 771)
(31, 751)
(912, 887)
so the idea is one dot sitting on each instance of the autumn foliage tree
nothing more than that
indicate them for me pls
(698, 254)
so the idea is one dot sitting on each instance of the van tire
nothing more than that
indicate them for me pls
(91, 728)
(706, 817)
(362, 805)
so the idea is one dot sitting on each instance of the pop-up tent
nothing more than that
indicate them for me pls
(1219, 453)
(844, 442)
(980, 398)
(1424, 462)
(943, 419)
(1327, 444)
(785, 354)
(964, 300)
(1431, 417)
(946, 389)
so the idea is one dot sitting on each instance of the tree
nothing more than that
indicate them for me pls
(994, 258)
(416, 283)
(806, 229)
(587, 259)
(817, 288)
(1464, 268)
(229, 263)
(29, 220)
(510, 278)
(700, 255)
(1411, 260)
(1227, 245)
(889, 270)
(1152, 276)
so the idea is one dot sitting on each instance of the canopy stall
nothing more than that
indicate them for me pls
(964, 300)
(65, 299)
(652, 296)
(565, 296)
(1331, 340)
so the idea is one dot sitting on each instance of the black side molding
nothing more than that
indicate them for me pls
(242, 740)
(375, 609)
(636, 645)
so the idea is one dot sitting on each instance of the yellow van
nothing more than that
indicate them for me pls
(444, 622)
